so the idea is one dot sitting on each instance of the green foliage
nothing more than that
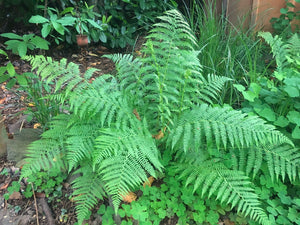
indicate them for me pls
(281, 200)
(40, 107)
(20, 44)
(14, 187)
(226, 50)
(277, 98)
(283, 24)
(118, 130)
(172, 200)
(129, 18)
(8, 72)
(17, 11)
(70, 21)
(49, 183)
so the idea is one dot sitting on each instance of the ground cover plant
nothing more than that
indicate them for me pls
(157, 113)
(276, 98)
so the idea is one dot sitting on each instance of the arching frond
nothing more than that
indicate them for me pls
(88, 188)
(127, 71)
(230, 186)
(49, 151)
(67, 76)
(124, 159)
(80, 143)
(210, 90)
(282, 160)
(222, 126)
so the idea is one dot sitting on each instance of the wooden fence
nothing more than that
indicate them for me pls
(254, 13)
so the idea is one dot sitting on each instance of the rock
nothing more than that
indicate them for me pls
(3, 138)
(17, 147)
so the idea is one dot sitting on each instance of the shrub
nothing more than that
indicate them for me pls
(158, 111)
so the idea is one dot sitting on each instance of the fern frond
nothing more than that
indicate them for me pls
(174, 23)
(124, 158)
(211, 89)
(170, 74)
(43, 155)
(222, 126)
(48, 151)
(282, 160)
(88, 188)
(80, 143)
(66, 76)
(128, 70)
(230, 186)
(279, 49)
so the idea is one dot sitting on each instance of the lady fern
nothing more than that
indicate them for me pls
(116, 127)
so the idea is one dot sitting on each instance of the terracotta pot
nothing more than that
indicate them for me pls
(82, 40)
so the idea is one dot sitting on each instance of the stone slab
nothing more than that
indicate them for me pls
(3, 138)
(17, 147)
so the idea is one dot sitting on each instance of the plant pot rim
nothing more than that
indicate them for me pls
(82, 40)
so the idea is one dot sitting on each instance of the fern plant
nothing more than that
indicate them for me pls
(158, 111)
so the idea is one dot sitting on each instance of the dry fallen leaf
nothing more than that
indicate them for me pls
(159, 136)
(31, 104)
(129, 197)
(92, 54)
(2, 100)
(4, 186)
(15, 195)
(148, 182)
(36, 125)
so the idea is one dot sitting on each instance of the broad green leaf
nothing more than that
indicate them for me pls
(10, 69)
(294, 117)
(40, 43)
(4, 78)
(11, 83)
(266, 112)
(239, 87)
(285, 199)
(103, 37)
(297, 105)
(84, 27)
(11, 36)
(13, 45)
(143, 4)
(297, 201)
(293, 214)
(46, 29)
(281, 121)
(296, 133)
(22, 49)
(3, 52)
(283, 10)
(21, 80)
(94, 24)
(27, 37)
(58, 27)
(67, 10)
(2, 70)
(292, 91)
(38, 19)
(252, 93)
(67, 20)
